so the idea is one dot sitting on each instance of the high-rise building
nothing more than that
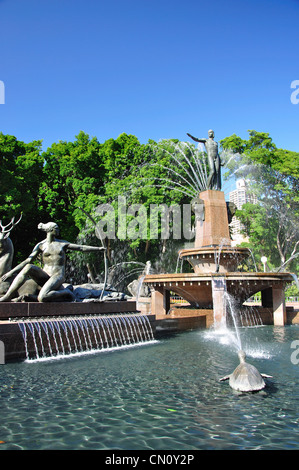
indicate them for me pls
(239, 197)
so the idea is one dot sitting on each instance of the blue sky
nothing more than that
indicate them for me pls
(156, 69)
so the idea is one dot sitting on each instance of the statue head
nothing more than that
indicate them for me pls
(211, 133)
(49, 227)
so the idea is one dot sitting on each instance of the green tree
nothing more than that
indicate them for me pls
(272, 175)
(20, 178)
(73, 177)
(155, 174)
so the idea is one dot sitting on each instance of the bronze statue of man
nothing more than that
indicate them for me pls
(214, 178)
(52, 276)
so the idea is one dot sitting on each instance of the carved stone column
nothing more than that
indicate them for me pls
(160, 303)
(279, 306)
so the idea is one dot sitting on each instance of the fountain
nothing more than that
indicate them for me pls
(157, 399)
(55, 322)
(215, 263)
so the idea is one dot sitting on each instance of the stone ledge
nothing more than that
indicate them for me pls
(38, 309)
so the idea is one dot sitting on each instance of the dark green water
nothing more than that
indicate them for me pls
(165, 395)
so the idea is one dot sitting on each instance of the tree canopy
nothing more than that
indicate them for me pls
(72, 178)
(21, 172)
(272, 175)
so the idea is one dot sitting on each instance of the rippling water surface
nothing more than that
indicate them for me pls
(164, 395)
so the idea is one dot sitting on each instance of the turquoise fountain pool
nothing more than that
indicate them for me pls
(159, 396)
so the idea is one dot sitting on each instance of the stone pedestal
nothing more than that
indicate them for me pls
(219, 301)
(212, 250)
(279, 306)
(213, 231)
(274, 297)
(160, 303)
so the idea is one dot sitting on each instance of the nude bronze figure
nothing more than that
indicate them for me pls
(52, 276)
(214, 161)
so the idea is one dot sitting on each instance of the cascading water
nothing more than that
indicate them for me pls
(218, 290)
(65, 337)
(230, 303)
(223, 300)
(140, 282)
(250, 317)
(231, 335)
(217, 254)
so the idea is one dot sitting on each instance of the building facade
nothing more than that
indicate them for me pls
(239, 197)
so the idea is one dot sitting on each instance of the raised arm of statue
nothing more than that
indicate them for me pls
(203, 141)
(74, 247)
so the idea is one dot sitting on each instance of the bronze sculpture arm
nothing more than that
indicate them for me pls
(196, 139)
(72, 246)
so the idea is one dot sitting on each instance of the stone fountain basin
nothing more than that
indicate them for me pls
(215, 259)
(196, 288)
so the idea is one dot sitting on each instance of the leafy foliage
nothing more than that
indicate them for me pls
(21, 172)
(272, 176)
(72, 177)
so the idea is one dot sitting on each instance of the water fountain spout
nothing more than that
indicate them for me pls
(230, 303)
(246, 378)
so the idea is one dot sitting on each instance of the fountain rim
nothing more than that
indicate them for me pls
(229, 276)
(210, 250)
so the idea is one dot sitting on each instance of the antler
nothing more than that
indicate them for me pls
(12, 223)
